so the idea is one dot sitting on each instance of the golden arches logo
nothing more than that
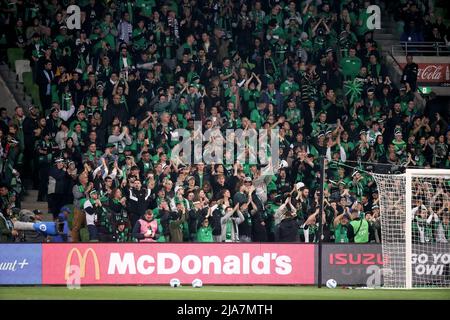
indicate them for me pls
(82, 261)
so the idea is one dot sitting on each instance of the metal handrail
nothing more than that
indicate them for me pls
(393, 59)
(405, 47)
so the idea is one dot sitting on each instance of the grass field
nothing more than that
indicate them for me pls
(216, 293)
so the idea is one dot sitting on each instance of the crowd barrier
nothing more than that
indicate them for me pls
(215, 263)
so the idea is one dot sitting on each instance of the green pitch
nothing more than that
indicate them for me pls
(216, 293)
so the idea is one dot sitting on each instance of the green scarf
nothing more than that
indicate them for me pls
(229, 229)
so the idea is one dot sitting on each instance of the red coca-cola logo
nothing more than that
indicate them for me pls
(431, 72)
(436, 72)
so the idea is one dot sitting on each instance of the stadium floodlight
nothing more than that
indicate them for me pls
(414, 209)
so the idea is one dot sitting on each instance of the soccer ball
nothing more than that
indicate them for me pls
(197, 283)
(175, 283)
(331, 283)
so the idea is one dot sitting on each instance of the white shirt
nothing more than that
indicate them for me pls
(66, 114)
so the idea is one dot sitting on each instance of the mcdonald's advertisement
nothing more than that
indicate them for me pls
(20, 264)
(158, 263)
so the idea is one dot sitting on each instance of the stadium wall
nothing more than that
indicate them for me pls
(215, 263)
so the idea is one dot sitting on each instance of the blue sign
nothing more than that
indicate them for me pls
(20, 264)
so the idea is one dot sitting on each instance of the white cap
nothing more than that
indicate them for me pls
(299, 185)
(283, 164)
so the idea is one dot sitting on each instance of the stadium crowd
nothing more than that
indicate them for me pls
(112, 94)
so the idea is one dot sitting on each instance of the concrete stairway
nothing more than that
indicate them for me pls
(17, 97)
(29, 202)
(16, 88)
(389, 34)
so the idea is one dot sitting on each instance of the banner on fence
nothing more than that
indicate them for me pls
(20, 264)
(437, 74)
(158, 263)
(360, 264)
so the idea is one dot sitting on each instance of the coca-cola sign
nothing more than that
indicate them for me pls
(432, 73)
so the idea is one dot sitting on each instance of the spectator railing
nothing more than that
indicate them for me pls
(421, 49)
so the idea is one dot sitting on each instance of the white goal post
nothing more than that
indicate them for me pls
(414, 209)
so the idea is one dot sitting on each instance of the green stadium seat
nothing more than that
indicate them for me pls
(84, 235)
(35, 96)
(31, 89)
(14, 54)
(27, 81)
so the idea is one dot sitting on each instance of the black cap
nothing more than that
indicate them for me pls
(370, 90)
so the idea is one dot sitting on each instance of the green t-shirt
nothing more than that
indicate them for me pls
(251, 97)
(288, 88)
(146, 7)
(341, 234)
(107, 31)
(293, 115)
(257, 117)
(361, 229)
(400, 146)
(139, 41)
(204, 234)
(350, 67)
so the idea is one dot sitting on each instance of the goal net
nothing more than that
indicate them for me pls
(415, 228)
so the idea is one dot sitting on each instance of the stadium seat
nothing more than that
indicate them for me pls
(36, 100)
(13, 55)
(70, 216)
(31, 88)
(27, 78)
(84, 235)
(21, 67)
